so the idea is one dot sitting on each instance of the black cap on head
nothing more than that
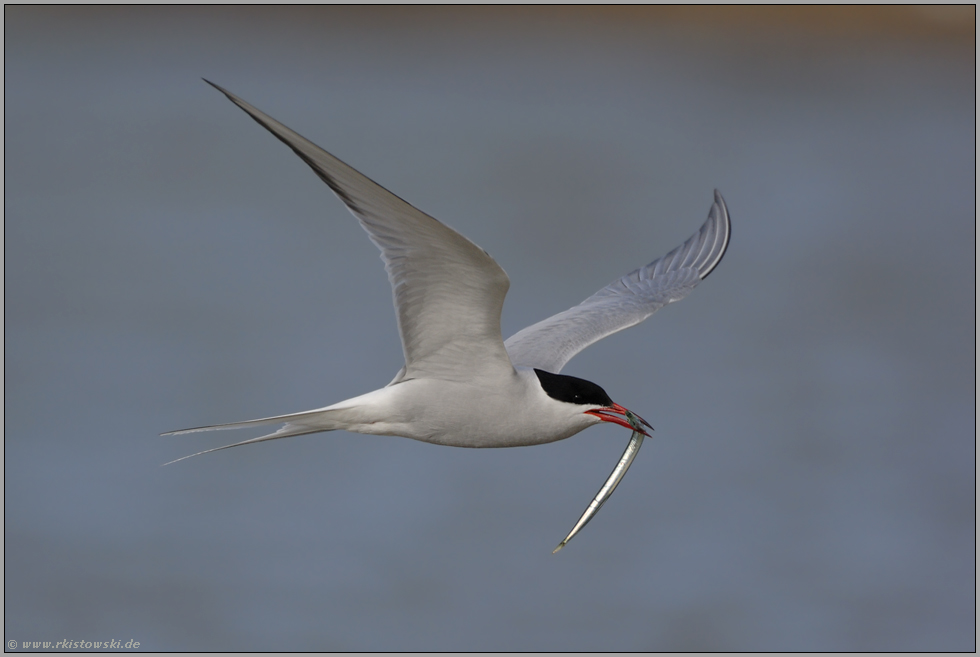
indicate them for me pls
(572, 390)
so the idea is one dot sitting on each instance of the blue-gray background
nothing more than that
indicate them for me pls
(170, 264)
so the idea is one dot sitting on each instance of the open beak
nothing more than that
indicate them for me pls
(629, 420)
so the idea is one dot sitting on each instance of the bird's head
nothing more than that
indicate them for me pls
(591, 398)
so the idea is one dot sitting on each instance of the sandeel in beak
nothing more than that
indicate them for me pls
(632, 448)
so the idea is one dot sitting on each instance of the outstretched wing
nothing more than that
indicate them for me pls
(448, 292)
(551, 343)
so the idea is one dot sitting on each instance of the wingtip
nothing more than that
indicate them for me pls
(721, 230)
(230, 96)
(720, 202)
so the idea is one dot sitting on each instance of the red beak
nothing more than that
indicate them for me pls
(612, 413)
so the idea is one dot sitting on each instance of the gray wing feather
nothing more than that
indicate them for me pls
(448, 292)
(551, 343)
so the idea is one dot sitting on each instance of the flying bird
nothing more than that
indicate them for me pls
(462, 385)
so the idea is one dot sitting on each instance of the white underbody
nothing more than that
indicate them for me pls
(510, 412)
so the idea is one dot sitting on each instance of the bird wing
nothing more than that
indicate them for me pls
(448, 292)
(552, 342)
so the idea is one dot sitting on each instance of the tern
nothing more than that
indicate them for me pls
(462, 385)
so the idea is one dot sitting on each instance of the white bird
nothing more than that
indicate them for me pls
(462, 385)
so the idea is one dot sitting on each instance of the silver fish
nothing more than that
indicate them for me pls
(632, 449)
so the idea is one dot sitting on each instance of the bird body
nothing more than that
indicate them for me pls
(508, 410)
(462, 385)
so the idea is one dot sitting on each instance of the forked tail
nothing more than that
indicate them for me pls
(296, 424)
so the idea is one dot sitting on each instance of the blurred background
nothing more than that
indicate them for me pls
(169, 264)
